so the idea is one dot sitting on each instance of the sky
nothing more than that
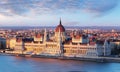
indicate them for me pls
(49, 12)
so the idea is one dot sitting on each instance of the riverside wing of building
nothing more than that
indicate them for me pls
(86, 50)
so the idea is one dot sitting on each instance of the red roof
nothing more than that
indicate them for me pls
(18, 40)
(38, 35)
(92, 43)
(78, 36)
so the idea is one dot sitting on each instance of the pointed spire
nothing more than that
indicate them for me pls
(45, 31)
(60, 22)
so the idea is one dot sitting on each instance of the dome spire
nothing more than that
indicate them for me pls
(60, 26)
(60, 22)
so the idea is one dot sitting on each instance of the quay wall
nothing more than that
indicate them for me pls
(94, 59)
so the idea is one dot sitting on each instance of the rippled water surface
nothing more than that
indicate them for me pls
(21, 64)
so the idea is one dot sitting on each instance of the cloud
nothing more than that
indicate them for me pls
(23, 7)
(101, 6)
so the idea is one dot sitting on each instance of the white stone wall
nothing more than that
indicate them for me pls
(38, 39)
(84, 50)
(12, 43)
(107, 49)
(62, 35)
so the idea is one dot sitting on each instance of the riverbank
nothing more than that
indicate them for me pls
(94, 59)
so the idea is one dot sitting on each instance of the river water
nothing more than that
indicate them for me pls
(21, 64)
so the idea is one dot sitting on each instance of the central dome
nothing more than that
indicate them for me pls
(60, 27)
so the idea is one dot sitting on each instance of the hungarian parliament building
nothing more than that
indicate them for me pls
(60, 45)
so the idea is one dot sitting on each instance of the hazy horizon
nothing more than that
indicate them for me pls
(107, 28)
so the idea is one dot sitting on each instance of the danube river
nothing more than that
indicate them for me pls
(21, 64)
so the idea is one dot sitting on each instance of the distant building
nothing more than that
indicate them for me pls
(115, 46)
(2, 43)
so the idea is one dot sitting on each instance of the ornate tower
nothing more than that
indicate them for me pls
(45, 35)
(60, 46)
(60, 28)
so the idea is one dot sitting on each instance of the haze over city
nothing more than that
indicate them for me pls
(48, 12)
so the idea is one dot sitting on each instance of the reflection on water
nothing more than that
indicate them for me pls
(21, 64)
